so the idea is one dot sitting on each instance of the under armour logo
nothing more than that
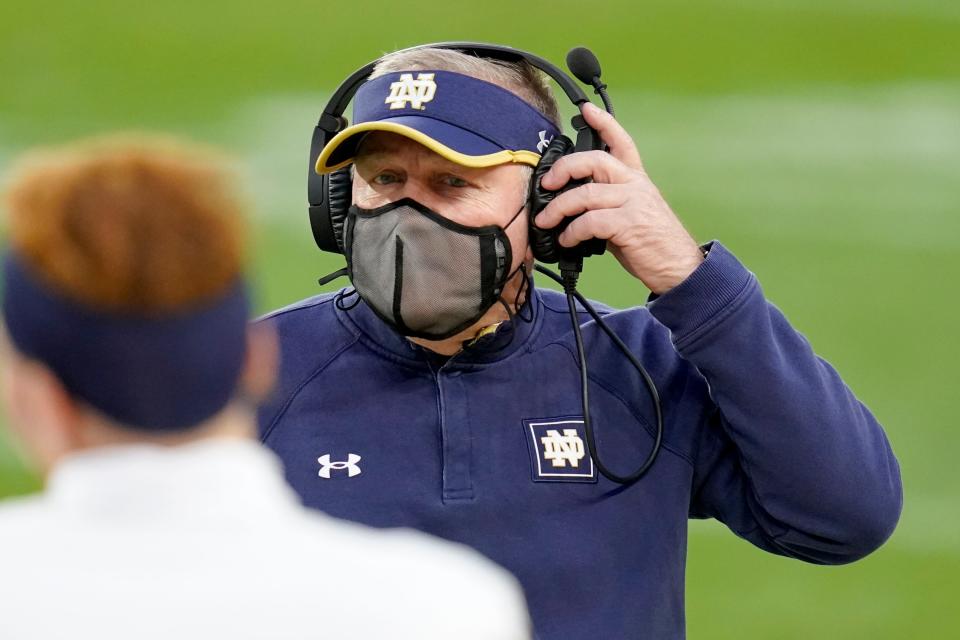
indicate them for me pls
(350, 465)
(416, 92)
(561, 449)
(544, 141)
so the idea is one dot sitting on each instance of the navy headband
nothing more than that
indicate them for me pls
(164, 373)
(466, 120)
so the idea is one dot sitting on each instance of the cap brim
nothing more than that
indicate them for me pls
(449, 141)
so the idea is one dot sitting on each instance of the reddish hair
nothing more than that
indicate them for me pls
(128, 224)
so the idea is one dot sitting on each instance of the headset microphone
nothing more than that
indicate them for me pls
(583, 64)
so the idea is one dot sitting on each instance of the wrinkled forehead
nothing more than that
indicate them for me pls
(381, 145)
(383, 142)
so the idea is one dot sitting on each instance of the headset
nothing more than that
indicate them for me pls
(330, 197)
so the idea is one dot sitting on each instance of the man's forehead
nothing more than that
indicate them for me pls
(382, 145)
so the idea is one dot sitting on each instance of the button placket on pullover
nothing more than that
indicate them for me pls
(453, 415)
(455, 437)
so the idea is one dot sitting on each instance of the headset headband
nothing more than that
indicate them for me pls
(342, 96)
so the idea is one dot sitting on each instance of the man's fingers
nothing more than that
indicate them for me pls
(601, 223)
(599, 165)
(621, 144)
(593, 195)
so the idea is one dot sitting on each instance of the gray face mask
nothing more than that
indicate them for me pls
(424, 275)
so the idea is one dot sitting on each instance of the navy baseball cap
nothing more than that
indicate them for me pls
(466, 120)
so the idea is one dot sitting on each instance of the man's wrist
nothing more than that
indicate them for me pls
(715, 284)
(678, 272)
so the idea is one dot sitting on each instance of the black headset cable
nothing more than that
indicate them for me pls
(568, 280)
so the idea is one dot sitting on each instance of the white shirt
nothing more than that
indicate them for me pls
(207, 541)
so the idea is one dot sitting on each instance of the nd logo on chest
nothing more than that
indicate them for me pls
(558, 450)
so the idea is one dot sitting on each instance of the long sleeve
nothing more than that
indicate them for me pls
(790, 459)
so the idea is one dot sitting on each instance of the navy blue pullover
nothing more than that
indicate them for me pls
(486, 448)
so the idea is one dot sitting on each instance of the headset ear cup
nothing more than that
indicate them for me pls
(339, 197)
(543, 242)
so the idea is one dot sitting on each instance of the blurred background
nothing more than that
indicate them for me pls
(818, 139)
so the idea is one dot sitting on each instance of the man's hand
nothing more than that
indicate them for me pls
(622, 206)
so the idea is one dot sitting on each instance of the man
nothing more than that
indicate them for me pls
(128, 373)
(469, 421)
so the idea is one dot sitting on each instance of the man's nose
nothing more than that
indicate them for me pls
(422, 192)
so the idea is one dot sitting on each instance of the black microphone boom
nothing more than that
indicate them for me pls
(584, 65)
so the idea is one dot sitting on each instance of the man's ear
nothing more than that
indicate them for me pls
(263, 358)
(44, 417)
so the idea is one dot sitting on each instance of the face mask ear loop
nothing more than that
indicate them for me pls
(510, 318)
(515, 216)
(524, 285)
(525, 279)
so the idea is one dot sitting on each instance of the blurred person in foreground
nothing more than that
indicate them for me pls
(473, 425)
(129, 374)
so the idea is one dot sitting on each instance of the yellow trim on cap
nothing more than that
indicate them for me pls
(490, 160)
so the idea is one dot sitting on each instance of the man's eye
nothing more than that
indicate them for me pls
(455, 181)
(384, 178)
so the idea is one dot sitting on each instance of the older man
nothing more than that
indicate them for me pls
(464, 419)
(128, 371)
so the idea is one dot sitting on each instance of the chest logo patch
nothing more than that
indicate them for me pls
(349, 465)
(558, 450)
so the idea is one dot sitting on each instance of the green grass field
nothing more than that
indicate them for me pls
(820, 140)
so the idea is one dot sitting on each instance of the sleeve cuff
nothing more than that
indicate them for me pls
(713, 286)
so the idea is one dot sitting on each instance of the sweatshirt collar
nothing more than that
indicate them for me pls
(213, 479)
(509, 338)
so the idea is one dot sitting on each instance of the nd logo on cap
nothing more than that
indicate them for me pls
(416, 92)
